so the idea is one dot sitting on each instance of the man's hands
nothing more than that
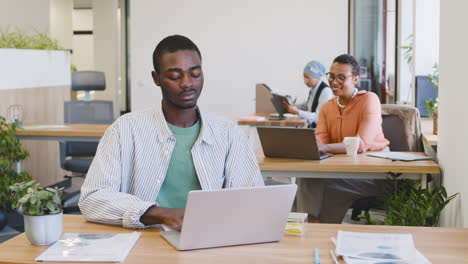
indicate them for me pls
(292, 109)
(172, 217)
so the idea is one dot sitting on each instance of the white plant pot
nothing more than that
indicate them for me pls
(44, 229)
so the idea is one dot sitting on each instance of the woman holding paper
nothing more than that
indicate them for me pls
(351, 113)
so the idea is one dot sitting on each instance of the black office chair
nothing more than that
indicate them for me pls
(76, 157)
(401, 125)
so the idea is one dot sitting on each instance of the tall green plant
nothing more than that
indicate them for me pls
(11, 152)
(19, 39)
(434, 76)
(417, 207)
(407, 204)
(408, 50)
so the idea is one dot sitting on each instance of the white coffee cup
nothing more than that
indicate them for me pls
(352, 145)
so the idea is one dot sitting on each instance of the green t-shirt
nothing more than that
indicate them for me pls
(181, 176)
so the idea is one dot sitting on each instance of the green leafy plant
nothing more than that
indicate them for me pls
(11, 152)
(19, 39)
(408, 50)
(34, 200)
(417, 207)
(432, 106)
(407, 204)
(434, 76)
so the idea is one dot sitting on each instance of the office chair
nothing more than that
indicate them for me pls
(76, 157)
(401, 125)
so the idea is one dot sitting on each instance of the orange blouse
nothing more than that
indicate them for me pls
(361, 117)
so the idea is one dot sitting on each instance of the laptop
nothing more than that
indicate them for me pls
(292, 143)
(228, 217)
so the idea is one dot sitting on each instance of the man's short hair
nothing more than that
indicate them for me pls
(348, 59)
(172, 44)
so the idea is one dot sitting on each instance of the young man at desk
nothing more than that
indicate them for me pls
(148, 161)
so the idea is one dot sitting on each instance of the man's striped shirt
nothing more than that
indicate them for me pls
(133, 156)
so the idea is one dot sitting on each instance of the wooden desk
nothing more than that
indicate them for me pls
(70, 132)
(44, 166)
(252, 132)
(288, 122)
(439, 245)
(343, 166)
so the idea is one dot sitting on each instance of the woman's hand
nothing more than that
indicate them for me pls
(323, 148)
(292, 109)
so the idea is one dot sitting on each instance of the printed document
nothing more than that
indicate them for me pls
(91, 247)
(364, 248)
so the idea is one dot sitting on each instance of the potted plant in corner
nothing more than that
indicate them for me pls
(11, 152)
(42, 211)
(432, 105)
(406, 203)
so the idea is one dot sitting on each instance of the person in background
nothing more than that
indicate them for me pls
(149, 160)
(351, 113)
(319, 93)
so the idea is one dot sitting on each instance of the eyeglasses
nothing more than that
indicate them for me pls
(340, 78)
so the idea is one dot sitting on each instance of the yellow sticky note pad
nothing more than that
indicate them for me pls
(295, 229)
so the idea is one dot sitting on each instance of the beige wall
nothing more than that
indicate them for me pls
(61, 22)
(25, 14)
(83, 45)
(242, 43)
(106, 42)
(453, 125)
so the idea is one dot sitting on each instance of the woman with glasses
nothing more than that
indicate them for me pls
(319, 94)
(351, 113)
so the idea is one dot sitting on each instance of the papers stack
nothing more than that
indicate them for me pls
(403, 156)
(297, 217)
(367, 248)
(295, 225)
(252, 118)
(91, 247)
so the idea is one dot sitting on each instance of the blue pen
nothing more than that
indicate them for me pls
(317, 256)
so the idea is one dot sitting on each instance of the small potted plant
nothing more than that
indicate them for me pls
(432, 110)
(432, 105)
(42, 211)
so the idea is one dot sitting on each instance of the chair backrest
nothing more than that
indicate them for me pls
(89, 112)
(88, 81)
(86, 112)
(401, 125)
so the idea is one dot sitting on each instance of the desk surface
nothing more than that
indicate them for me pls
(344, 163)
(290, 122)
(71, 130)
(439, 245)
(427, 132)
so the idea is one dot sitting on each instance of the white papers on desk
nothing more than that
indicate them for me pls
(297, 217)
(404, 156)
(364, 248)
(44, 127)
(91, 247)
